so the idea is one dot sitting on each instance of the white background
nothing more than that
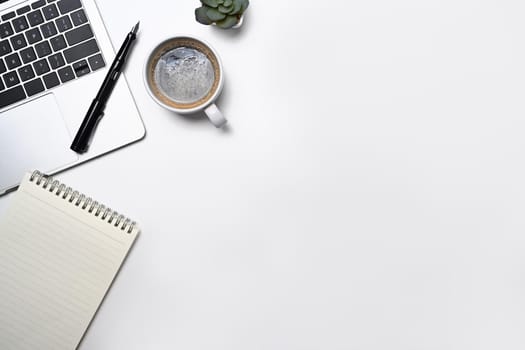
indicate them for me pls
(369, 193)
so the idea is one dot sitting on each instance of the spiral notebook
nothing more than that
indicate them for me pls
(59, 253)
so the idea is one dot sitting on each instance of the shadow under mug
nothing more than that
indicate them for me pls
(205, 103)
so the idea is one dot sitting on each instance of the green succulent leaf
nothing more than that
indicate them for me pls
(227, 22)
(210, 3)
(215, 15)
(201, 17)
(245, 5)
(224, 13)
(225, 9)
(237, 5)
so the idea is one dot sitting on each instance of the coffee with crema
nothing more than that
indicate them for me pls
(183, 73)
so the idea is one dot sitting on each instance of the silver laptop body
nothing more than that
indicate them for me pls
(36, 131)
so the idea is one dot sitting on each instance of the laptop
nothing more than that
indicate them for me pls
(54, 55)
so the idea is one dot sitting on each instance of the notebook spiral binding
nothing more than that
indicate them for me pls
(80, 200)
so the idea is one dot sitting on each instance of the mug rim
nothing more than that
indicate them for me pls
(192, 110)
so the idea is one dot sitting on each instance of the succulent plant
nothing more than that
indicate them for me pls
(224, 13)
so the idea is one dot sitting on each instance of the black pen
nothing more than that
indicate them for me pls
(96, 110)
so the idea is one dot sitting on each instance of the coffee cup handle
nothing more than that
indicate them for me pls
(215, 116)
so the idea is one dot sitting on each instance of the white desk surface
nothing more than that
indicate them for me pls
(369, 194)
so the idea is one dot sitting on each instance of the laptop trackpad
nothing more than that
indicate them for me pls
(33, 136)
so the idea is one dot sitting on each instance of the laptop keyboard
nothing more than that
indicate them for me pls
(43, 45)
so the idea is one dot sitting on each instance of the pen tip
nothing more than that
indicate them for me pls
(135, 28)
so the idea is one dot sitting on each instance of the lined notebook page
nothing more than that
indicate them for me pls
(57, 262)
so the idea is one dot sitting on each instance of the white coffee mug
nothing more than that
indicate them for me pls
(206, 102)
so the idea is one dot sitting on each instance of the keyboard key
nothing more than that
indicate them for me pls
(8, 16)
(41, 67)
(20, 24)
(80, 51)
(63, 24)
(56, 60)
(6, 30)
(50, 11)
(18, 41)
(96, 62)
(3, 68)
(38, 4)
(11, 79)
(2, 86)
(48, 29)
(79, 34)
(35, 18)
(34, 87)
(11, 96)
(26, 73)
(5, 48)
(43, 49)
(12, 61)
(58, 43)
(66, 6)
(23, 10)
(51, 80)
(33, 36)
(66, 74)
(78, 17)
(28, 55)
(81, 68)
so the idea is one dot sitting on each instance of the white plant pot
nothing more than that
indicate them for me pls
(239, 23)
